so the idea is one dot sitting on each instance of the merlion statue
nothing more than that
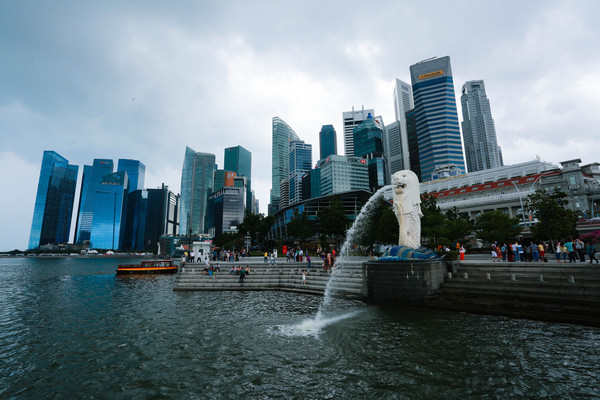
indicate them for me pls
(407, 206)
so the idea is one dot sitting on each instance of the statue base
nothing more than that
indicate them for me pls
(404, 253)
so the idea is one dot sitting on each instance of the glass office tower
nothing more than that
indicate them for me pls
(352, 119)
(479, 132)
(136, 173)
(368, 144)
(54, 201)
(300, 164)
(91, 182)
(239, 160)
(327, 141)
(280, 170)
(440, 146)
(109, 214)
(196, 186)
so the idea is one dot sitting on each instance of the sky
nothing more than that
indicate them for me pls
(143, 80)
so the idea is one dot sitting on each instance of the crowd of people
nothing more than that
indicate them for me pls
(573, 250)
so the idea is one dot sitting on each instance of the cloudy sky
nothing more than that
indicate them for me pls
(141, 80)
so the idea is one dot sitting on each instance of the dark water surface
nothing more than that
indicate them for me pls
(69, 328)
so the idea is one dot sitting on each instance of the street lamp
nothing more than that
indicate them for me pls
(520, 201)
(579, 204)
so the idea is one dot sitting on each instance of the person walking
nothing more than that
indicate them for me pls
(591, 252)
(580, 249)
(242, 274)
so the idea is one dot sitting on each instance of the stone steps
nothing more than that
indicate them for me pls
(282, 276)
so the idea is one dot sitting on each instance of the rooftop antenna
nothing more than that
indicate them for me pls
(427, 59)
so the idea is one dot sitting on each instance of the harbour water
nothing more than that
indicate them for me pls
(70, 328)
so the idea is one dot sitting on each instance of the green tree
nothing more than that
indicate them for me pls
(300, 226)
(381, 225)
(497, 226)
(257, 226)
(458, 226)
(433, 224)
(555, 221)
(332, 221)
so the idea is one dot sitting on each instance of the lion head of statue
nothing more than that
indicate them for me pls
(405, 186)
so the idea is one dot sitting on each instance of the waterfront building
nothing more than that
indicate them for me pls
(327, 141)
(351, 119)
(282, 135)
(53, 207)
(91, 183)
(396, 138)
(300, 164)
(151, 213)
(239, 160)
(352, 202)
(479, 132)
(225, 210)
(506, 188)
(368, 144)
(196, 185)
(109, 213)
(438, 132)
(136, 173)
(341, 174)
(414, 163)
(223, 178)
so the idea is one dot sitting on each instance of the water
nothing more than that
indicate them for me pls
(69, 328)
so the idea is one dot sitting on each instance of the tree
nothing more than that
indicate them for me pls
(433, 223)
(458, 226)
(555, 221)
(332, 221)
(257, 226)
(381, 225)
(300, 226)
(496, 226)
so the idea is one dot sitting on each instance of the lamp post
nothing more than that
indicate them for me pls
(579, 203)
(520, 201)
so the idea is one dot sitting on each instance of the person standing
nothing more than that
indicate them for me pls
(308, 259)
(571, 251)
(242, 274)
(303, 277)
(558, 252)
(580, 248)
(515, 250)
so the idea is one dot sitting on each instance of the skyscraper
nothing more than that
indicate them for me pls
(300, 164)
(327, 141)
(396, 138)
(350, 120)
(368, 144)
(280, 170)
(91, 183)
(196, 186)
(239, 160)
(54, 201)
(479, 132)
(110, 209)
(136, 173)
(438, 132)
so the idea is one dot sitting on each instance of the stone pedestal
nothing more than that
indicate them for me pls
(402, 281)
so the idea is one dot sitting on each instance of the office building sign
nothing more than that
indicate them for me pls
(431, 74)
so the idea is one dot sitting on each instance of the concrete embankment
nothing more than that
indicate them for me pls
(546, 291)
(282, 276)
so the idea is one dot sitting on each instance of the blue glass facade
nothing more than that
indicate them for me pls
(239, 160)
(196, 186)
(327, 141)
(280, 171)
(93, 182)
(300, 164)
(225, 210)
(368, 144)
(109, 213)
(136, 173)
(54, 201)
(438, 131)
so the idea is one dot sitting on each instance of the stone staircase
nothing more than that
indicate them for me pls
(565, 292)
(283, 276)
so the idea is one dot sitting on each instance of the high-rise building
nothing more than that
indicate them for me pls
(300, 164)
(341, 174)
(136, 173)
(396, 138)
(92, 181)
(280, 170)
(54, 201)
(196, 185)
(438, 132)
(350, 120)
(479, 132)
(109, 213)
(327, 141)
(239, 160)
(368, 144)
(225, 210)
(414, 163)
